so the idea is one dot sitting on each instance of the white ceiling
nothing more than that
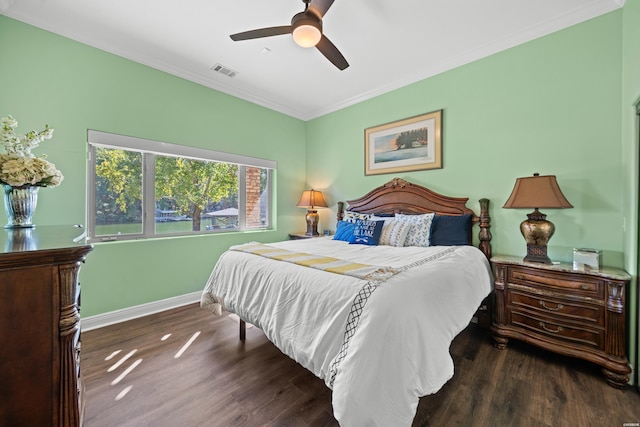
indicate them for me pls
(388, 43)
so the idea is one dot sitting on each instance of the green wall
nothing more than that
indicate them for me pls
(73, 87)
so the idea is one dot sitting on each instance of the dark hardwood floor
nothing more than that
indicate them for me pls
(186, 367)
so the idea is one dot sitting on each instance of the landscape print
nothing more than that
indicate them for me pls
(410, 144)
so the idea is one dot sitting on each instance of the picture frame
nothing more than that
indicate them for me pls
(411, 144)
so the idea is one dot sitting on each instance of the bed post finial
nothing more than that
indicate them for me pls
(340, 211)
(485, 225)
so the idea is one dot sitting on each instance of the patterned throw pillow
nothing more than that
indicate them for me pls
(394, 232)
(367, 232)
(350, 216)
(421, 230)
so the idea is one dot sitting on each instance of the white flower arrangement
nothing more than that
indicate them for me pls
(19, 167)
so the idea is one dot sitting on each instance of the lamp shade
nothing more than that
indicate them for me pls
(537, 192)
(312, 199)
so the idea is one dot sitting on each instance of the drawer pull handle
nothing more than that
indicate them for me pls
(550, 330)
(584, 286)
(519, 276)
(559, 307)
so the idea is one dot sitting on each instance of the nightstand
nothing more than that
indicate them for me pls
(575, 313)
(299, 236)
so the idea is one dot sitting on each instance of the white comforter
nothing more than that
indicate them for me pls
(399, 349)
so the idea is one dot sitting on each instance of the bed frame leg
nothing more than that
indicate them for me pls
(243, 330)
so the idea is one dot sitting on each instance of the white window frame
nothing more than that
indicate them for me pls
(149, 149)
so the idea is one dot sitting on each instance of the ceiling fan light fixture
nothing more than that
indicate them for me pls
(307, 31)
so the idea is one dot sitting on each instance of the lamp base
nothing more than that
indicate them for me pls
(312, 222)
(537, 231)
(536, 253)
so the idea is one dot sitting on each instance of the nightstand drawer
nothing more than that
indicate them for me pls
(562, 310)
(554, 281)
(557, 330)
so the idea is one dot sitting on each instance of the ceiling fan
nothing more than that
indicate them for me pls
(306, 29)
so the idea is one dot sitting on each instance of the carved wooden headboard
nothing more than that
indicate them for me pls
(400, 196)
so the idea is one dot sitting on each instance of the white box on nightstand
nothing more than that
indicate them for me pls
(586, 259)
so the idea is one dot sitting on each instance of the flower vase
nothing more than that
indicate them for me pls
(20, 205)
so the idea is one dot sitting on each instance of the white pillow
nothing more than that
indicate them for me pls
(394, 233)
(421, 231)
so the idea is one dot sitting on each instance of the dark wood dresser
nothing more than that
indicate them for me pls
(40, 382)
(575, 313)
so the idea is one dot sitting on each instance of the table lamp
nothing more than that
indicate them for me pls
(311, 199)
(537, 192)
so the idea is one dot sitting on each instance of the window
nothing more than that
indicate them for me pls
(140, 188)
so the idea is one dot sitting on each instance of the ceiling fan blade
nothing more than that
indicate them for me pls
(331, 52)
(262, 32)
(319, 7)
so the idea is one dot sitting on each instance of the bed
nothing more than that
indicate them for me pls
(374, 321)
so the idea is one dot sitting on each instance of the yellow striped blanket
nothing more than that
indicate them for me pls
(333, 265)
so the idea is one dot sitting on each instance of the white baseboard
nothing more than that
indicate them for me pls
(112, 317)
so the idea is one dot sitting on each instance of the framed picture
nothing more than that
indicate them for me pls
(406, 145)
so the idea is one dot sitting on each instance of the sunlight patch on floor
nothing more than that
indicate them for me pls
(121, 361)
(126, 372)
(187, 345)
(112, 355)
(124, 392)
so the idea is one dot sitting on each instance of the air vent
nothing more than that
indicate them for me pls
(219, 68)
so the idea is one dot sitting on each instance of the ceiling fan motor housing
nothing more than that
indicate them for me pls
(306, 29)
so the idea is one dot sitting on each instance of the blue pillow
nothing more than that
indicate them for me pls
(344, 231)
(451, 230)
(367, 232)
